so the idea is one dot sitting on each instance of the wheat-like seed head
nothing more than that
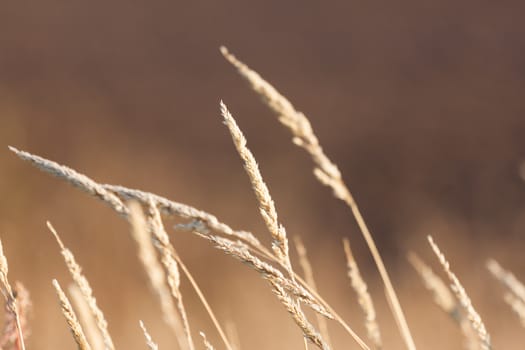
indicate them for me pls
(507, 279)
(266, 204)
(149, 341)
(445, 300)
(517, 305)
(84, 286)
(71, 318)
(363, 296)
(442, 295)
(75, 178)
(466, 303)
(207, 344)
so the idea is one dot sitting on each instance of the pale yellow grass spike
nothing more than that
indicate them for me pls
(149, 341)
(517, 305)
(84, 286)
(363, 296)
(76, 179)
(266, 204)
(325, 171)
(110, 194)
(473, 316)
(442, 295)
(71, 318)
(507, 279)
(445, 300)
(515, 297)
(12, 305)
(154, 271)
(202, 221)
(309, 332)
(171, 267)
(310, 280)
(207, 344)
(88, 322)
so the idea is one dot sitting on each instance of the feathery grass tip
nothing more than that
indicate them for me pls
(458, 289)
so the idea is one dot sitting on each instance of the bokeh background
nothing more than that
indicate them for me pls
(420, 103)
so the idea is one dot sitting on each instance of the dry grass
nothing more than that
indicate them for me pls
(515, 294)
(445, 300)
(154, 271)
(13, 331)
(363, 297)
(461, 294)
(266, 204)
(149, 341)
(326, 172)
(87, 321)
(86, 291)
(165, 271)
(71, 318)
(308, 272)
(207, 344)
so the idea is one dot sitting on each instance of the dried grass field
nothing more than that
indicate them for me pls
(178, 214)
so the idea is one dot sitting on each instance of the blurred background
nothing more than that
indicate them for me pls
(420, 103)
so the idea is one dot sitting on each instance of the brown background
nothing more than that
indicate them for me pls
(419, 102)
